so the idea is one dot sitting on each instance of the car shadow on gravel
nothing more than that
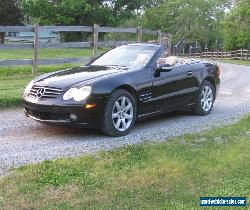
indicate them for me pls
(51, 130)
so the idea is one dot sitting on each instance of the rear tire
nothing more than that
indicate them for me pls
(205, 99)
(120, 114)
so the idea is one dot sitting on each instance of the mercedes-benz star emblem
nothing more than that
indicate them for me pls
(40, 93)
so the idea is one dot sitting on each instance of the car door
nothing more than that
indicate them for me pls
(174, 88)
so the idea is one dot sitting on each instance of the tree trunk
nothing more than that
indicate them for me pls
(2, 38)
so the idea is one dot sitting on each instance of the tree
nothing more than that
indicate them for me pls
(236, 27)
(66, 12)
(190, 20)
(9, 14)
(80, 12)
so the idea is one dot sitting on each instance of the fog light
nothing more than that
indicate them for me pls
(73, 117)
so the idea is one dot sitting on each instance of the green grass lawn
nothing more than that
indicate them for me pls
(14, 79)
(239, 62)
(168, 175)
(46, 53)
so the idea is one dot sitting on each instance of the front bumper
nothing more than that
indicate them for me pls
(59, 114)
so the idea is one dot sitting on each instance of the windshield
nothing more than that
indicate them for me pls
(131, 56)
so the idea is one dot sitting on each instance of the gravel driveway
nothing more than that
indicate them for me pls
(25, 141)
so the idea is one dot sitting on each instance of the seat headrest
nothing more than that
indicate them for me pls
(171, 60)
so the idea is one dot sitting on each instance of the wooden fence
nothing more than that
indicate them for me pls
(95, 30)
(237, 55)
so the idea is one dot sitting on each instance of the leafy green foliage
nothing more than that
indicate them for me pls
(193, 20)
(10, 14)
(80, 12)
(73, 12)
(237, 26)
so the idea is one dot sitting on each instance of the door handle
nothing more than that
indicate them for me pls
(189, 73)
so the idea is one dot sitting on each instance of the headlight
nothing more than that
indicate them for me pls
(28, 87)
(77, 94)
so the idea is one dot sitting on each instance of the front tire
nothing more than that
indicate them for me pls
(205, 99)
(120, 114)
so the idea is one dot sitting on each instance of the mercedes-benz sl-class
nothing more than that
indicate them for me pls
(126, 84)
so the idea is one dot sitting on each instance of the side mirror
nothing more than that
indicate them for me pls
(164, 68)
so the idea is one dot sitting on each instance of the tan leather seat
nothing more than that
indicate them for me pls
(171, 60)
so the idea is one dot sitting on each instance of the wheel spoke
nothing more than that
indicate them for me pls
(129, 117)
(205, 106)
(128, 107)
(118, 107)
(118, 123)
(124, 124)
(115, 115)
(123, 102)
(209, 93)
(207, 89)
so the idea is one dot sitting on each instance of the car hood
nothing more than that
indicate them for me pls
(75, 76)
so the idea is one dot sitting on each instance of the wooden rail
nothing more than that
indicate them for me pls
(236, 55)
(95, 43)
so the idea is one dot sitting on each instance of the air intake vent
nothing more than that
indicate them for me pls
(43, 92)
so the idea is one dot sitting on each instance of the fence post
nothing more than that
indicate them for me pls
(35, 48)
(139, 34)
(95, 40)
(241, 54)
(169, 44)
(159, 37)
(247, 54)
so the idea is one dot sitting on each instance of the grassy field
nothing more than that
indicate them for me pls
(239, 62)
(14, 79)
(46, 53)
(168, 175)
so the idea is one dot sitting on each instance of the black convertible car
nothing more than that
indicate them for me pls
(125, 84)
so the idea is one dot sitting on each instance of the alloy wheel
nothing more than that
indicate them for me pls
(207, 98)
(122, 113)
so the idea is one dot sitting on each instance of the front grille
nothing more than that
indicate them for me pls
(43, 92)
(47, 116)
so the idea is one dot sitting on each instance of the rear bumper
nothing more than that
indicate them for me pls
(60, 114)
